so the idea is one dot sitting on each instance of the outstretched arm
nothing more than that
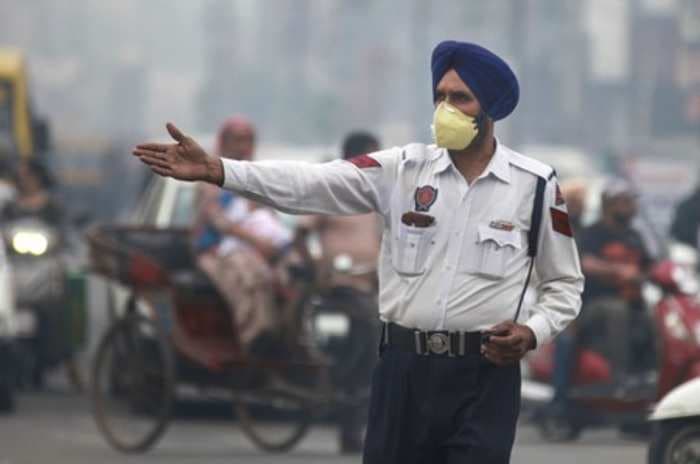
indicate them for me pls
(339, 187)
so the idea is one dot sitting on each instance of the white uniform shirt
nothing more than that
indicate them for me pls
(467, 270)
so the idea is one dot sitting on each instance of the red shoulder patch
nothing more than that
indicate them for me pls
(560, 222)
(365, 161)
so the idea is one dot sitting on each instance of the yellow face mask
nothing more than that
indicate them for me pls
(453, 129)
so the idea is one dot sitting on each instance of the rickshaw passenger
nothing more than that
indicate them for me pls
(234, 238)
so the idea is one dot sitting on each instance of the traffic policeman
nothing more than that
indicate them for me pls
(466, 221)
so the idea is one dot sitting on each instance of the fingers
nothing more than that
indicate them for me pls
(152, 146)
(175, 133)
(156, 161)
(153, 158)
(147, 152)
(512, 339)
(506, 345)
(502, 328)
(501, 355)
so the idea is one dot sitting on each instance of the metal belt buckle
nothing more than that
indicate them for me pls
(438, 343)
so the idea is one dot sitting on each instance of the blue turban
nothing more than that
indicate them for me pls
(490, 79)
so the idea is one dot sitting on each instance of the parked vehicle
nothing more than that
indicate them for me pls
(597, 401)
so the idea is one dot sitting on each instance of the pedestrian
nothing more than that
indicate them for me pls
(465, 222)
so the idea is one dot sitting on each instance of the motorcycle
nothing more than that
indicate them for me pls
(594, 399)
(345, 326)
(35, 250)
(676, 422)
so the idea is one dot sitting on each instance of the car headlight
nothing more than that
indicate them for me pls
(30, 242)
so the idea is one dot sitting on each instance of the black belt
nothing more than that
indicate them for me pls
(431, 342)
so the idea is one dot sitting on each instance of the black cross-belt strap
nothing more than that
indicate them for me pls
(533, 237)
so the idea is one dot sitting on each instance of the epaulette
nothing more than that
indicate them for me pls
(532, 165)
(415, 152)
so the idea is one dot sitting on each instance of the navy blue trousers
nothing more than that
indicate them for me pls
(434, 410)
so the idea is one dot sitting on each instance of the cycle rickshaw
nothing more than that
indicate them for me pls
(174, 330)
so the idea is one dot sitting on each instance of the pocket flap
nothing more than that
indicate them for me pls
(500, 237)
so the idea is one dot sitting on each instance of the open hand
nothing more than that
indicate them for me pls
(508, 343)
(184, 160)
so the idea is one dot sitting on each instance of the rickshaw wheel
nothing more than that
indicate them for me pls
(133, 384)
(277, 414)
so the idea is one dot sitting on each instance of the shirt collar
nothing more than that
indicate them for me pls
(499, 165)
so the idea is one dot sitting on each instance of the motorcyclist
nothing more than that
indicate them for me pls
(614, 260)
(35, 199)
(357, 237)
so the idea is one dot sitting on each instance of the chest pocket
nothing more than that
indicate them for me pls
(412, 247)
(493, 249)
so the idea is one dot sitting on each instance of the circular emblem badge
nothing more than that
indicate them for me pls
(425, 197)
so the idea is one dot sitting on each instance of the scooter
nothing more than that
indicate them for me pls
(676, 426)
(39, 281)
(595, 399)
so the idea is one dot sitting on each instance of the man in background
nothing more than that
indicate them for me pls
(357, 237)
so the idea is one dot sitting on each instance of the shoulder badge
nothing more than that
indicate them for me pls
(365, 161)
(560, 222)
